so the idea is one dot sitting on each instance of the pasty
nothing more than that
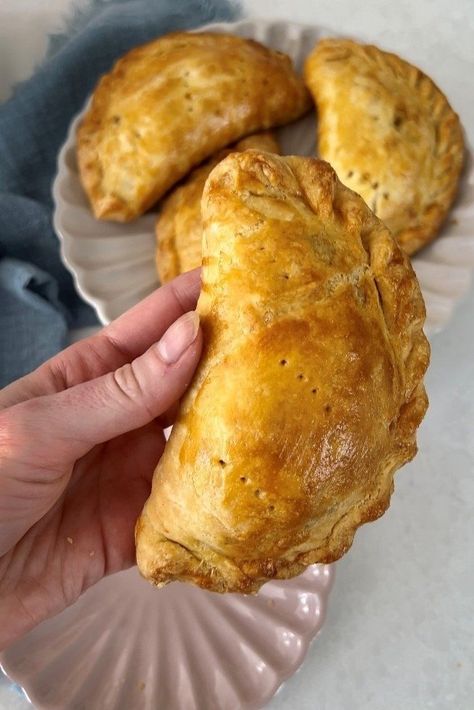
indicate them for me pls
(390, 135)
(309, 391)
(179, 225)
(168, 105)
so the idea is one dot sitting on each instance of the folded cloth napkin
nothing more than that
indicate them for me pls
(38, 302)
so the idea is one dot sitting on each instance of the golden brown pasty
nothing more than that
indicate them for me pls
(389, 133)
(168, 105)
(309, 391)
(179, 224)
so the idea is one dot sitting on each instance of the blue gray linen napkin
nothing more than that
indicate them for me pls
(38, 302)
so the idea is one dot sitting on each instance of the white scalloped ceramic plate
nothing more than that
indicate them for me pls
(113, 264)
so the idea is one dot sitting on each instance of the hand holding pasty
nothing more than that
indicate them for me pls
(309, 392)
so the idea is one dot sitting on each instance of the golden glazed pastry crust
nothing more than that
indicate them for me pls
(309, 391)
(389, 133)
(168, 105)
(179, 226)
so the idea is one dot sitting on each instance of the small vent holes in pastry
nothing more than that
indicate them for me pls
(258, 493)
(397, 121)
(327, 408)
(301, 376)
(222, 463)
(243, 479)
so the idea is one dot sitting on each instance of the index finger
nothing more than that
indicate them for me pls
(118, 343)
(145, 323)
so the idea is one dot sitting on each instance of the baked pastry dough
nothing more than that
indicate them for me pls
(309, 391)
(168, 105)
(179, 226)
(389, 133)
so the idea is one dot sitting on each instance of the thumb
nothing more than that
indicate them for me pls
(65, 426)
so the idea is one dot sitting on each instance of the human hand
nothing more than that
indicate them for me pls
(79, 440)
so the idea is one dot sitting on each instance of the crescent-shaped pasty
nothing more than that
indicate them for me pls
(168, 105)
(390, 135)
(309, 391)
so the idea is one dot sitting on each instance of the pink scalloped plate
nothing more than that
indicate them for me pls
(126, 645)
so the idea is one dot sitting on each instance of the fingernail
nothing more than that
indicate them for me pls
(178, 337)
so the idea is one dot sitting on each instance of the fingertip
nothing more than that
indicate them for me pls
(187, 287)
(177, 339)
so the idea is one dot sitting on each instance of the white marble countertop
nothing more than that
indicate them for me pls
(400, 628)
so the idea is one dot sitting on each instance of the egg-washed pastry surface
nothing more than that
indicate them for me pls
(179, 225)
(168, 105)
(309, 391)
(389, 133)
